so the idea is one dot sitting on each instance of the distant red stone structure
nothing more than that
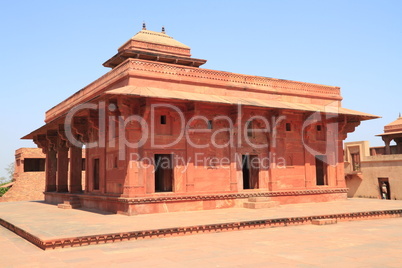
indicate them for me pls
(29, 176)
(29, 162)
(162, 134)
(375, 172)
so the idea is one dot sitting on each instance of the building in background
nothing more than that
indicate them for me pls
(29, 176)
(29, 162)
(376, 172)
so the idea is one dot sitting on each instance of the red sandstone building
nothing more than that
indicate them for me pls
(162, 134)
(375, 172)
(29, 176)
(29, 162)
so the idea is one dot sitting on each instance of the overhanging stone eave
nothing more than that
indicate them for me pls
(159, 93)
(120, 57)
(52, 115)
(396, 133)
(360, 116)
(39, 131)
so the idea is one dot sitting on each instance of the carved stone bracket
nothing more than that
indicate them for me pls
(62, 144)
(144, 108)
(62, 133)
(93, 119)
(80, 127)
(124, 106)
(346, 127)
(52, 136)
(42, 142)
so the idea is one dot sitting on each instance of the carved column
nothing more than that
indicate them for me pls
(80, 130)
(192, 110)
(62, 166)
(134, 182)
(237, 117)
(275, 150)
(345, 127)
(62, 160)
(309, 159)
(51, 164)
(52, 138)
(75, 169)
(398, 145)
(387, 141)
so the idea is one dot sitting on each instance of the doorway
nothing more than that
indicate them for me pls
(321, 170)
(163, 173)
(250, 168)
(385, 189)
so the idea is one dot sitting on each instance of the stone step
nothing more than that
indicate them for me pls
(257, 205)
(258, 199)
(323, 221)
(64, 206)
(73, 202)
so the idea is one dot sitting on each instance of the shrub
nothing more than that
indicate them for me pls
(3, 190)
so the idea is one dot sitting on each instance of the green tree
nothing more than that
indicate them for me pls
(3, 180)
(10, 171)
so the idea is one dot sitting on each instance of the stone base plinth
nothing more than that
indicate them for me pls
(257, 205)
(73, 202)
(162, 203)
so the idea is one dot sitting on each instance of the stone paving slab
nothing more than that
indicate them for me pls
(375, 243)
(47, 222)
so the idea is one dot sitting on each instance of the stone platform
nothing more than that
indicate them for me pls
(49, 227)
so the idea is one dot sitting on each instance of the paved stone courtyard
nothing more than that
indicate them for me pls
(363, 243)
(46, 221)
(372, 243)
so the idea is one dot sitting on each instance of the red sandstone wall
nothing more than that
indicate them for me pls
(135, 177)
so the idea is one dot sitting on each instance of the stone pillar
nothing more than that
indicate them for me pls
(340, 170)
(75, 169)
(309, 159)
(387, 141)
(51, 166)
(134, 181)
(277, 150)
(190, 168)
(62, 168)
(398, 145)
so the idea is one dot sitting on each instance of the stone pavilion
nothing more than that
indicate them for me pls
(163, 134)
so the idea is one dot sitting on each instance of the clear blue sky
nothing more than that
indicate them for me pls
(51, 49)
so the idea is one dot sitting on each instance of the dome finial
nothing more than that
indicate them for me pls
(144, 27)
(163, 29)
